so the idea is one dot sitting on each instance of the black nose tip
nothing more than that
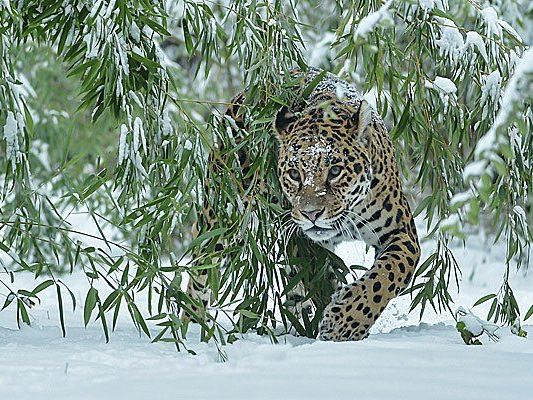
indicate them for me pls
(312, 215)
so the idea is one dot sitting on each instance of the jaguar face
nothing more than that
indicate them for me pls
(324, 165)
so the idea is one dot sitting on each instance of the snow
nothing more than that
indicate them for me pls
(474, 39)
(428, 5)
(109, 10)
(460, 198)
(130, 152)
(319, 51)
(480, 329)
(402, 359)
(475, 168)
(473, 323)
(490, 18)
(490, 91)
(520, 211)
(451, 221)
(11, 129)
(122, 143)
(135, 32)
(7, 5)
(446, 88)
(453, 46)
(451, 41)
(138, 133)
(92, 46)
(122, 59)
(369, 22)
(511, 95)
(445, 85)
(96, 8)
(522, 217)
(510, 30)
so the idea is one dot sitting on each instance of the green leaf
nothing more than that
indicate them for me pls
(529, 313)
(248, 314)
(61, 310)
(90, 304)
(312, 84)
(9, 299)
(145, 61)
(43, 285)
(484, 299)
(22, 312)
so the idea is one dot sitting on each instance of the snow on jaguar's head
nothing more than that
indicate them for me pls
(324, 164)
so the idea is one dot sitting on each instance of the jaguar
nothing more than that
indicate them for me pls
(337, 169)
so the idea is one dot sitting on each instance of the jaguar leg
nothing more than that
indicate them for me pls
(356, 307)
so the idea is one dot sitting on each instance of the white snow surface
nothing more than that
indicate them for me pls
(404, 358)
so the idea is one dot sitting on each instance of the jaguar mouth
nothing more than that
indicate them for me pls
(317, 230)
(318, 233)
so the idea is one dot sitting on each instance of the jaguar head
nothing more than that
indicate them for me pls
(324, 164)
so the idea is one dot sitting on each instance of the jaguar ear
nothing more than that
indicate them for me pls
(283, 119)
(362, 119)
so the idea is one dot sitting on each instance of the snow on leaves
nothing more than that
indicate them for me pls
(368, 23)
(491, 92)
(490, 17)
(451, 44)
(516, 90)
(446, 89)
(428, 5)
(475, 41)
(132, 144)
(454, 47)
(11, 134)
(472, 327)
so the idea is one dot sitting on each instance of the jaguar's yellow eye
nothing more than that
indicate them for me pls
(294, 174)
(334, 172)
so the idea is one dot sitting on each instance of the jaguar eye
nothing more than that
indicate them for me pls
(294, 174)
(334, 172)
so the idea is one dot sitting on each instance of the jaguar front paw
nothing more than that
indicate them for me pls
(348, 316)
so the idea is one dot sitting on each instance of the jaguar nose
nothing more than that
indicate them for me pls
(312, 215)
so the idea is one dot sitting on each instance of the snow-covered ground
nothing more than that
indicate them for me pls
(404, 358)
